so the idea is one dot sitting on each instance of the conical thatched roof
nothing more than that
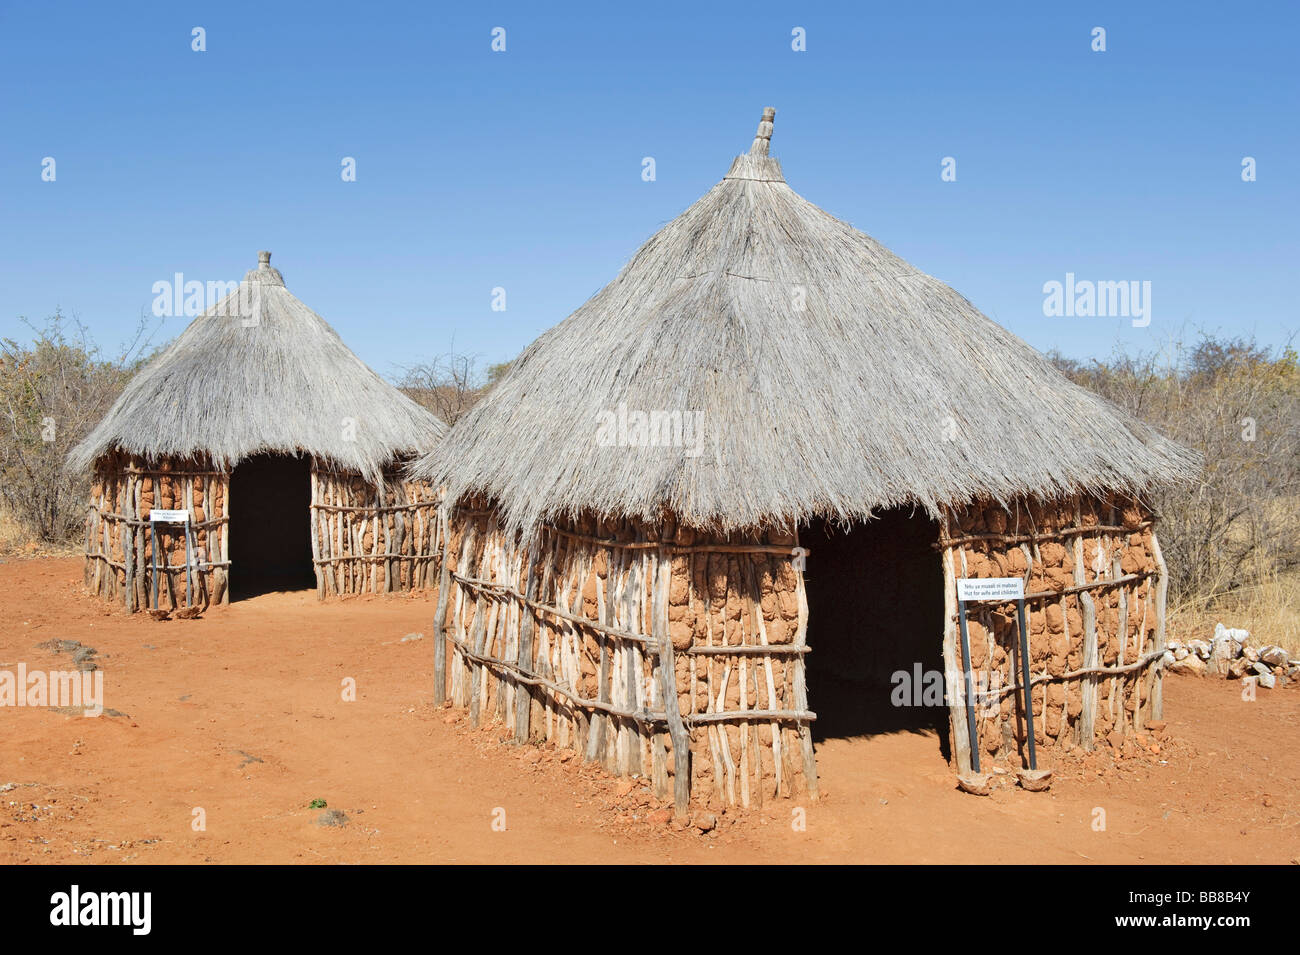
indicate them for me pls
(261, 372)
(829, 376)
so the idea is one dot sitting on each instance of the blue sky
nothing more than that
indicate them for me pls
(522, 169)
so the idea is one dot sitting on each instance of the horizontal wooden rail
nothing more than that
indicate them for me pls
(1039, 538)
(1074, 675)
(571, 698)
(386, 509)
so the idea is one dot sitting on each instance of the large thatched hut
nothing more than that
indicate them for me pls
(732, 494)
(281, 448)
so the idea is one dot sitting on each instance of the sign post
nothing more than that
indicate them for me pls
(997, 590)
(158, 516)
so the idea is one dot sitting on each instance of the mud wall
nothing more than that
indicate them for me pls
(568, 638)
(369, 538)
(1095, 607)
(119, 543)
(365, 538)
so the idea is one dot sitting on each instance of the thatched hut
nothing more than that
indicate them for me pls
(768, 436)
(283, 450)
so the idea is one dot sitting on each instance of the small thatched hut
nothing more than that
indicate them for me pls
(282, 448)
(768, 436)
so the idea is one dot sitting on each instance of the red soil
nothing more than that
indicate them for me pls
(263, 678)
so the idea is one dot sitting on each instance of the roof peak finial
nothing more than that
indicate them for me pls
(263, 260)
(764, 135)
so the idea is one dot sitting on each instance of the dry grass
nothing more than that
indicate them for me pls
(1270, 610)
(17, 542)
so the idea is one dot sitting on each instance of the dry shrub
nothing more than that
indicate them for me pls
(1231, 538)
(52, 392)
(449, 385)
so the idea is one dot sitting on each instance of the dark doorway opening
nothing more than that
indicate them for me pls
(875, 609)
(270, 525)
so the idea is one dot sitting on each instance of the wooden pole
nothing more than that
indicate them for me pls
(1088, 714)
(440, 616)
(527, 624)
(961, 740)
(801, 686)
(1162, 596)
(681, 740)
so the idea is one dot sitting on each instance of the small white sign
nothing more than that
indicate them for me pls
(161, 516)
(990, 588)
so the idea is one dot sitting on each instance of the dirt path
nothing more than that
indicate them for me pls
(240, 714)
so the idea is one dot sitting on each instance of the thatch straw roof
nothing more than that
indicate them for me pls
(830, 378)
(261, 372)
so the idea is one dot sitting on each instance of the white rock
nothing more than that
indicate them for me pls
(1266, 680)
(1251, 654)
(1189, 664)
(1200, 648)
(1180, 653)
(1273, 656)
(1169, 657)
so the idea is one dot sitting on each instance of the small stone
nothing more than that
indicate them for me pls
(1034, 780)
(1266, 680)
(975, 784)
(1251, 654)
(660, 817)
(1190, 664)
(1157, 726)
(704, 821)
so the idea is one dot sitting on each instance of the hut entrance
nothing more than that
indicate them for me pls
(270, 525)
(875, 609)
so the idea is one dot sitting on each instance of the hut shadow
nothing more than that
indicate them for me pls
(875, 628)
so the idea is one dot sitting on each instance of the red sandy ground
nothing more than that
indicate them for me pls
(263, 678)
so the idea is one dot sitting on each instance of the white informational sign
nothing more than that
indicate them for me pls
(158, 515)
(990, 588)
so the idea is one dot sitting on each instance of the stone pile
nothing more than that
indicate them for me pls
(1230, 654)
